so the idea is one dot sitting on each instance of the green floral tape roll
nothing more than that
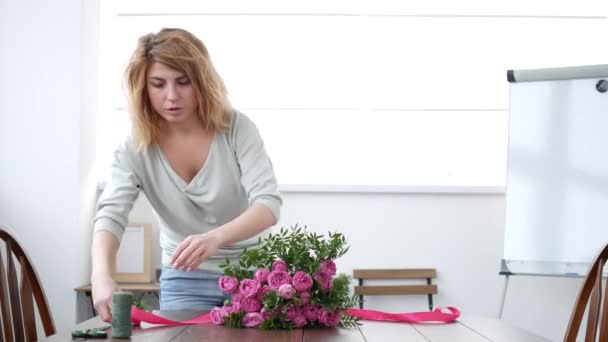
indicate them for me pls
(121, 314)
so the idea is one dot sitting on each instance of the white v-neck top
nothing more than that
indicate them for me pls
(236, 175)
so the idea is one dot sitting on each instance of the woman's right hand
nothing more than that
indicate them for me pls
(102, 288)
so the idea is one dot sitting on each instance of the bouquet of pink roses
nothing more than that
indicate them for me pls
(289, 281)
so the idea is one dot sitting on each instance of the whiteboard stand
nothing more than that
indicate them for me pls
(504, 270)
(510, 268)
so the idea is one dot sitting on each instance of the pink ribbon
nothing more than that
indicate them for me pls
(139, 315)
(440, 315)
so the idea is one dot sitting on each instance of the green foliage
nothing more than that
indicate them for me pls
(237, 271)
(339, 298)
(300, 249)
(272, 301)
(349, 321)
(139, 304)
(234, 320)
(277, 322)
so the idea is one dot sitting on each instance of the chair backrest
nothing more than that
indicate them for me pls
(409, 273)
(17, 295)
(591, 288)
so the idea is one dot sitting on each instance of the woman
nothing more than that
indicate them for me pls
(202, 166)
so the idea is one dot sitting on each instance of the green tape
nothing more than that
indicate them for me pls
(121, 314)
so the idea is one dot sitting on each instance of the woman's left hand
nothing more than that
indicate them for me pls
(195, 249)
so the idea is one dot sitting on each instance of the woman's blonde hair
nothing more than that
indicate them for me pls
(182, 51)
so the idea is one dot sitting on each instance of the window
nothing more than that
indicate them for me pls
(364, 93)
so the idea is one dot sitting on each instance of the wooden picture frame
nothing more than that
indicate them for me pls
(134, 257)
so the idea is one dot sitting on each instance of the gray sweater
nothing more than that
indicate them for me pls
(236, 175)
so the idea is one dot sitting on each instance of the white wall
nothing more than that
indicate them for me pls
(41, 169)
(460, 235)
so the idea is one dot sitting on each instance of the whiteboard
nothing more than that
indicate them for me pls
(557, 165)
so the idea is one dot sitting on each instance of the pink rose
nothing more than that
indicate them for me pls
(329, 318)
(262, 292)
(261, 275)
(236, 296)
(324, 280)
(302, 281)
(228, 284)
(216, 315)
(286, 291)
(278, 278)
(328, 266)
(311, 311)
(226, 311)
(266, 314)
(233, 307)
(251, 305)
(279, 265)
(299, 321)
(252, 319)
(291, 312)
(304, 298)
(249, 288)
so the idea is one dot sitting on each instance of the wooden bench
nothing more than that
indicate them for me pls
(383, 290)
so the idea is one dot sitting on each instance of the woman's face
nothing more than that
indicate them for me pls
(171, 94)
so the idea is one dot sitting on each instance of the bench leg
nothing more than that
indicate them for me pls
(361, 297)
(428, 281)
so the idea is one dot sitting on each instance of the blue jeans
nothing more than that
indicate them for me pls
(194, 290)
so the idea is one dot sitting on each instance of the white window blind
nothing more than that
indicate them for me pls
(366, 93)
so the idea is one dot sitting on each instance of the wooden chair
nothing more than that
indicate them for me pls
(17, 295)
(374, 290)
(592, 287)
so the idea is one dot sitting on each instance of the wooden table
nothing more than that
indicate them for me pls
(467, 329)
